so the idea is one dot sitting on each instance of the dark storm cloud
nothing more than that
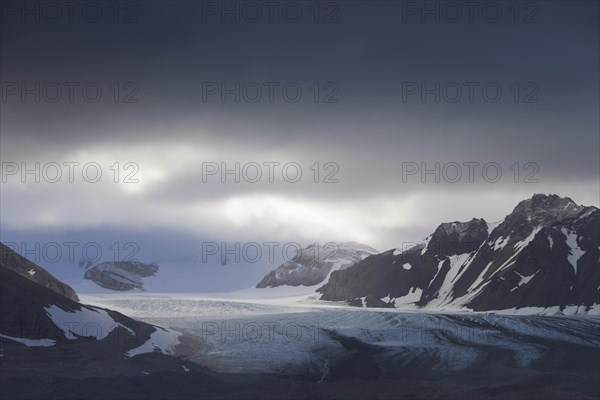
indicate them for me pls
(376, 58)
(368, 54)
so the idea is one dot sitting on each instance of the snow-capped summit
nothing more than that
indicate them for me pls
(314, 263)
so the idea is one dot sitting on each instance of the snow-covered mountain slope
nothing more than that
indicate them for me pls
(545, 253)
(314, 263)
(122, 275)
(35, 315)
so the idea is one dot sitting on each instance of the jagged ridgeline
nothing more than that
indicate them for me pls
(545, 253)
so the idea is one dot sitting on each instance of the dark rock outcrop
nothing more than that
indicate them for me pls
(13, 261)
(122, 275)
(396, 274)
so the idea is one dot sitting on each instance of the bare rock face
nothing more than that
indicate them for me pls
(545, 253)
(12, 260)
(313, 264)
(397, 274)
(121, 275)
(558, 265)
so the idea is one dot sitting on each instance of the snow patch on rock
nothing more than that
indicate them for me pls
(31, 342)
(575, 252)
(85, 322)
(161, 340)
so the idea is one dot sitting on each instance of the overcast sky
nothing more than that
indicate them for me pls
(368, 113)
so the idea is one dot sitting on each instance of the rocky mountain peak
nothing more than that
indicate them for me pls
(542, 208)
(461, 229)
(452, 238)
(535, 213)
(313, 264)
(351, 245)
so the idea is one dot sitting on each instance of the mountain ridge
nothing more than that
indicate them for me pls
(466, 265)
(11, 260)
(314, 264)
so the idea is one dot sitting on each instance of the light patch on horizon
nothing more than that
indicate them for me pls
(309, 218)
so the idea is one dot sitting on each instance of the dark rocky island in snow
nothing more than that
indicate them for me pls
(121, 275)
